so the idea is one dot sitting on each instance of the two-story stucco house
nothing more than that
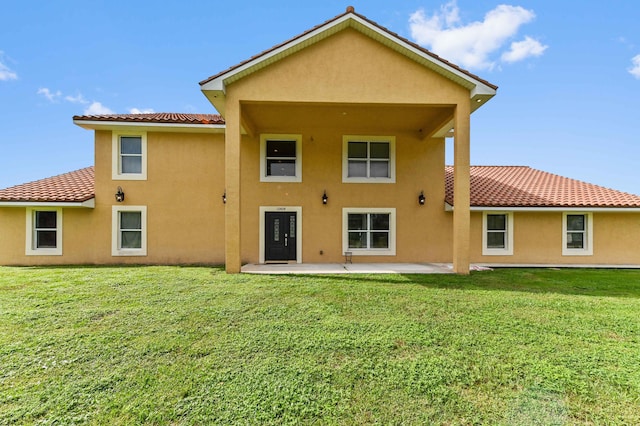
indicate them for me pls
(330, 143)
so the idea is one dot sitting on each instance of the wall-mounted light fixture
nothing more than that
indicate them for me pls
(224, 198)
(421, 198)
(119, 195)
(325, 199)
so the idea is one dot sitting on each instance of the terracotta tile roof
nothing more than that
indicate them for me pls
(156, 117)
(77, 186)
(491, 186)
(521, 186)
(375, 24)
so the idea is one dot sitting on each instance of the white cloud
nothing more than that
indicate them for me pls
(78, 99)
(96, 108)
(635, 69)
(141, 111)
(51, 96)
(474, 44)
(523, 49)
(6, 73)
(93, 108)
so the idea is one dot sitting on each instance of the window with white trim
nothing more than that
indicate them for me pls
(129, 156)
(577, 234)
(129, 231)
(368, 159)
(497, 233)
(280, 158)
(44, 232)
(369, 231)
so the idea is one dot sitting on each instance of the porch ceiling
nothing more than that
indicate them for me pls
(351, 118)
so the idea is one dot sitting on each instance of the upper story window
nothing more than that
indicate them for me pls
(577, 234)
(280, 158)
(44, 232)
(129, 156)
(497, 233)
(368, 159)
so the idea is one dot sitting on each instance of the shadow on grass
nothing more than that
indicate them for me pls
(570, 281)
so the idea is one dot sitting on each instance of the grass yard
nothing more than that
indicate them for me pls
(193, 345)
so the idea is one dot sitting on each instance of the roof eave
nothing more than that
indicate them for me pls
(89, 203)
(214, 88)
(603, 209)
(158, 127)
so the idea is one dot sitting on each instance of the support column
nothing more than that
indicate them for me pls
(461, 188)
(232, 162)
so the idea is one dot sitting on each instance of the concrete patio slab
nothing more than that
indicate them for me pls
(348, 268)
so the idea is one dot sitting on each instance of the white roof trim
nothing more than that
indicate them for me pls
(90, 203)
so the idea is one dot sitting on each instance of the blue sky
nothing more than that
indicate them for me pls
(568, 72)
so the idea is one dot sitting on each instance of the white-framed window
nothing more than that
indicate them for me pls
(368, 159)
(129, 231)
(497, 233)
(44, 232)
(280, 158)
(369, 231)
(577, 234)
(129, 159)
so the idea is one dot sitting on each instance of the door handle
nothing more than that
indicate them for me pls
(286, 240)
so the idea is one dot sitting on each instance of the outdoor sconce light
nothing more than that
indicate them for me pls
(119, 195)
(325, 198)
(224, 198)
(421, 198)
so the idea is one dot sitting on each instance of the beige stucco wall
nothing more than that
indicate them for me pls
(365, 73)
(77, 247)
(361, 70)
(538, 240)
(182, 194)
(423, 233)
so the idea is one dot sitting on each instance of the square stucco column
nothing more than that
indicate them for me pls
(232, 162)
(461, 189)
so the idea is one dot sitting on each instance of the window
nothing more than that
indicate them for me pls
(497, 233)
(577, 234)
(129, 156)
(44, 232)
(281, 158)
(129, 231)
(369, 231)
(368, 159)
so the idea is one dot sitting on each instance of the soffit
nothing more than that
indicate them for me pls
(369, 118)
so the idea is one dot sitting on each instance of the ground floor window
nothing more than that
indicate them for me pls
(577, 234)
(497, 233)
(129, 237)
(369, 231)
(44, 231)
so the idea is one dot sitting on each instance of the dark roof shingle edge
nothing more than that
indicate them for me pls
(158, 117)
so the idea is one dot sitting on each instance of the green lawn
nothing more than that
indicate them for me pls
(193, 345)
